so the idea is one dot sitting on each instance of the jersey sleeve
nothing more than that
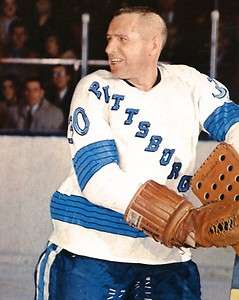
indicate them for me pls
(95, 156)
(217, 113)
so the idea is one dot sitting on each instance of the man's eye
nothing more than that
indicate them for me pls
(123, 39)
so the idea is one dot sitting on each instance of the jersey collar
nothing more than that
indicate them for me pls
(158, 79)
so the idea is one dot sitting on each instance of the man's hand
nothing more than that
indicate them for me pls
(173, 221)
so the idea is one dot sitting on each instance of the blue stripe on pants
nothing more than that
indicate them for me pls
(43, 272)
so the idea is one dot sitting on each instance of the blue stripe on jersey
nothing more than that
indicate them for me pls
(220, 121)
(78, 210)
(91, 158)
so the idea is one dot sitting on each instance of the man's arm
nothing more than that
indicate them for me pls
(94, 152)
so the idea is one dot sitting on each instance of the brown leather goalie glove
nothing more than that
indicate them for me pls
(172, 219)
(216, 224)
(160, 212)
(217, 179)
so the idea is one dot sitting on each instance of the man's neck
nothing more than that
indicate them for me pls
(146, 83)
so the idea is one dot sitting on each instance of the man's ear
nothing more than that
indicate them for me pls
(156, 44)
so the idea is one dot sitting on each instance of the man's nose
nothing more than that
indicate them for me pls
(110, 47)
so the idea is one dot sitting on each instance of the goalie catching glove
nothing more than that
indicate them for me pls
(173, 221)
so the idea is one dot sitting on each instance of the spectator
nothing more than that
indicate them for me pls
(8, 15)
(53, 48)
(61, 91)
(10, 102)
(18, 47)
(37, 114)
(42, 23)
(18, 40)
(74, 36)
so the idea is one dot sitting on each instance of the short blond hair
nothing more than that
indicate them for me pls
(150, 14)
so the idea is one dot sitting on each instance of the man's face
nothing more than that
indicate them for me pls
(127, 48)
(19, 37)
(43, 6)
(60, 77)
(8, 90)
(33, 92)
(52, 46)
(9, 8)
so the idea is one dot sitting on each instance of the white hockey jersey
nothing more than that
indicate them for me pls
(120, 137)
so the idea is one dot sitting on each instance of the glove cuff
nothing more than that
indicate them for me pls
(158, 211)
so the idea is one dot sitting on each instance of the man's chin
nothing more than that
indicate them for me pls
(118, 73)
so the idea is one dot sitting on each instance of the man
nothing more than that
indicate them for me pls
(135, 123)
(60, 93)
(18, 47)
(7, 16)
(9, 105)
(18, 40)
(37, 114)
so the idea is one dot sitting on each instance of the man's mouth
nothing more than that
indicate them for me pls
(114, 61)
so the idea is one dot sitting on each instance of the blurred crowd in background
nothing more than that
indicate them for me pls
(36, 98)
